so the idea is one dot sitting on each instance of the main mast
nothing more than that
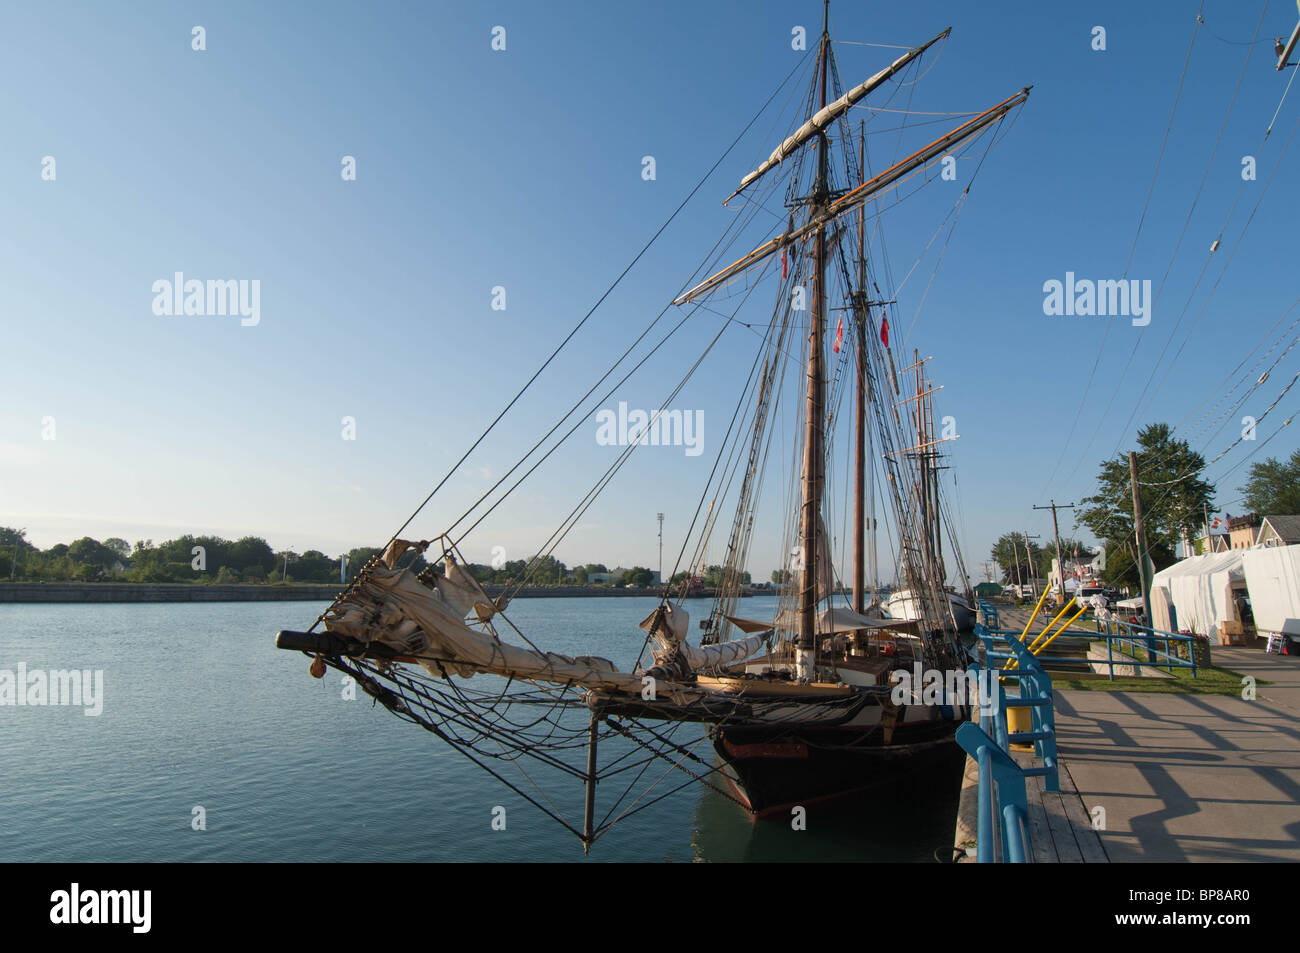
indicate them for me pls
(860, 447)
(813, 462)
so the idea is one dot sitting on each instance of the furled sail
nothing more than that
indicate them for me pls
(668, 625)
(394, 608)
(857, 196)
(458, 588)
(829, 113)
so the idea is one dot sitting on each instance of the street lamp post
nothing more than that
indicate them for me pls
(661, 548)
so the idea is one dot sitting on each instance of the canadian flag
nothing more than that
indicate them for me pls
(1215, 524)
(839, 335)
(884, 331)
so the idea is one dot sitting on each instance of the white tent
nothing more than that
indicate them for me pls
(1273, 578)
(1199, 589)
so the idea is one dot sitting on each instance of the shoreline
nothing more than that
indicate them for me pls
(93, 592)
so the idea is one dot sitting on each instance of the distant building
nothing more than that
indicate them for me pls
(1279, 531)
(1242, 531)
(600, 577)
(1218, 543)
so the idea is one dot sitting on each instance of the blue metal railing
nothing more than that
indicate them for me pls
(1131, 639)
(1002, 807)
(1145, 638)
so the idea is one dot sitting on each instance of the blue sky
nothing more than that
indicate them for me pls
(522, 169)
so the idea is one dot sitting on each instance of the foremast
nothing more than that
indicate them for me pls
(814, 463)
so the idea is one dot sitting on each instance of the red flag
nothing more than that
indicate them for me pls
(839, 335)
(884, 331)
(784, 267)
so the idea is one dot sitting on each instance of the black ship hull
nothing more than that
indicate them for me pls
(771, 770)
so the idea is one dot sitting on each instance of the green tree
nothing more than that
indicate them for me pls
(248, 552)
(314, 566)
(120, 547)
(92, 552)
(15, 552)
(1019, 564)
(357, 559)
(546, 571)
(1273, 487)
(1174, 498)
(637, 576)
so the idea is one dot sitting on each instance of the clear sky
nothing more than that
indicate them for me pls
(522, 169)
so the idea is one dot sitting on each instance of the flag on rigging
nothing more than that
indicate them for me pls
(839, 335)
(884, 331)
(785, 270)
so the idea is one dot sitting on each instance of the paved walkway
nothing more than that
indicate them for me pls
(1191, 777)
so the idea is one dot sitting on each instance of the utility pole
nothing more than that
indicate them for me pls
(1015, 558)
(1140, 530)
(1029, 560)
(1056, 533)
(660, 517)
(13, 563)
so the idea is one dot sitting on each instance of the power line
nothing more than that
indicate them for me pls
(1155, 175)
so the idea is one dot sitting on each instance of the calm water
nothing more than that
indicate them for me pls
(201, 709)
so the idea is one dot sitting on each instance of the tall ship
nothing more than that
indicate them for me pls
(816, 699)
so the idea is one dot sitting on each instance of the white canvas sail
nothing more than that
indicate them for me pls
(668, 626)
(392, 607)
(832, 111)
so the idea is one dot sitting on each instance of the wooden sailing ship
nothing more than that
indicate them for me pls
(798, 707)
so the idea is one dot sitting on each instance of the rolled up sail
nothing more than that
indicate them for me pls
(668, 626)
(829, 113)
(394, 608)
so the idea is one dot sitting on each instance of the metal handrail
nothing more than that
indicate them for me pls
(1137, 637)
(1003, 809)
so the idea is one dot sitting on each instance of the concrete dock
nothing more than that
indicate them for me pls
(1179, 777)
(1186, 777)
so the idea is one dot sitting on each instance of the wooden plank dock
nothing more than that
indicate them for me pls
(1060, 827)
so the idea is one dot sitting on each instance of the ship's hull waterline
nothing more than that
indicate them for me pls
(781, 754)
(772, 771)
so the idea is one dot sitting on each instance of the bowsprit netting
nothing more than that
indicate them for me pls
(529, 737)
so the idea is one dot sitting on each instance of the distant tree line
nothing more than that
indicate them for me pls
(212, 559)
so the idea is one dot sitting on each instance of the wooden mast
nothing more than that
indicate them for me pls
(860, 449)
(813, 464)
